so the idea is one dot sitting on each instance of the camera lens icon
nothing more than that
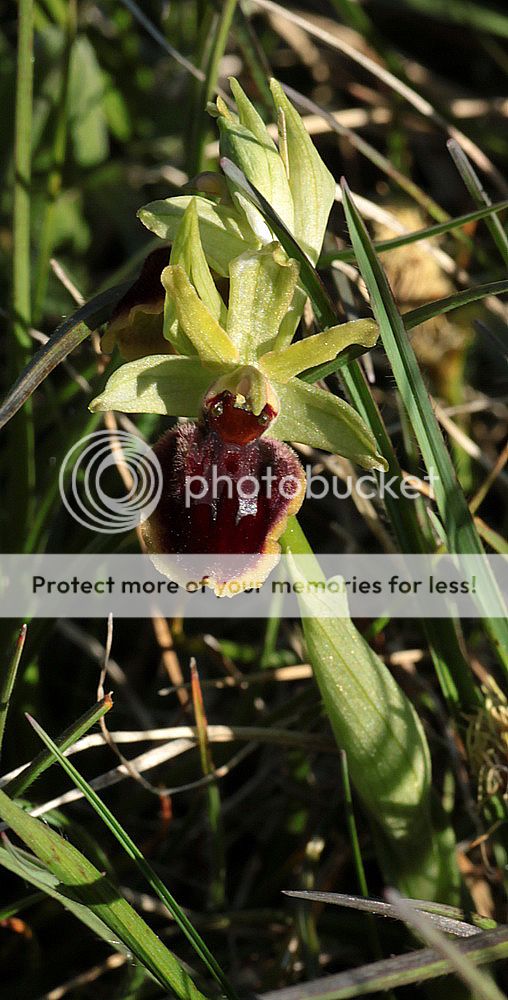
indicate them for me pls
(85, 495)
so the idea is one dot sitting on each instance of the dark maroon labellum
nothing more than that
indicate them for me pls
(223, 499)
(236, 424)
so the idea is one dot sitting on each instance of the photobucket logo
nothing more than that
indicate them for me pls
(201, 489)
(85, 496)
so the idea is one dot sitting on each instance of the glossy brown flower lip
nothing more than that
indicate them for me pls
(237, 424)
(225, 503)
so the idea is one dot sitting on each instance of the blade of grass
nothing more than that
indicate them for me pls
(218, 879)
(412, 319)
(464, 298)
(16, 786)
(90, 895)
(461, 532)
(493, 538)
(158, 37)
(482, 987)
(217, 49)
(66, 337)
(448, 918)
(8, 680)
(357, 853)
(405, 239)
(351, 826)
(12, 909)
(22, 180)
(403, 970)
(479, 195)
(136, 855)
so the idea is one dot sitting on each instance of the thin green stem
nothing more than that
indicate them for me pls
(21, 296)
(21, 441)
(382, 246)
(212, 52)
(8, 679)
(54, 185)
(479, 195)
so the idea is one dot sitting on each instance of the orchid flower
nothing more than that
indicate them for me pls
(234, 367)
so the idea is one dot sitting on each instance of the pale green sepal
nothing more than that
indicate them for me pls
(172, 386)
(310, 415)
(224, 233)
(262, 285)
(248, 144)
(311, 183)
(249, 117)
(285, 364)
(210, 340)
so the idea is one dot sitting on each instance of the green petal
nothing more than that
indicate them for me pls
(187, 250)
(223, 232)
(173, 386)
(312, 416)
(262, 285)
(249, 145)
(311, 183)
(207, 336)
(285, 364)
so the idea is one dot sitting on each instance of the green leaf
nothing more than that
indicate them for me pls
(87, 119)
(248, 144)
(285, 364)
(212, 343)
(312, 416)
(66, 337)
(172, 386)
(311, 183)
(223, 232)
(133, 851)
(31, 870)
(377, 726)
(262, 285)
(90, 888)
(461, 531)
